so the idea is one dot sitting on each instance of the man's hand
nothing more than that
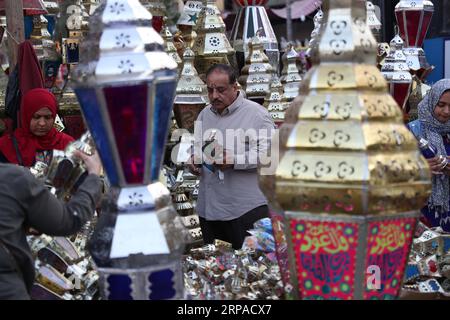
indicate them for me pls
(92, 163)
(195, 170)
(436, 165)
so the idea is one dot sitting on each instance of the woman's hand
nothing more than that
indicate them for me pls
(92, 163)
(437, 165)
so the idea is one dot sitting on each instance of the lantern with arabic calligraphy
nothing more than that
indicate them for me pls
(350, 180)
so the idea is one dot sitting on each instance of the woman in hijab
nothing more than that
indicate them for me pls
(433, 125)
(36, 138)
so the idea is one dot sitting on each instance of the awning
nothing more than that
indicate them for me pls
(299, 8)
(30, 7)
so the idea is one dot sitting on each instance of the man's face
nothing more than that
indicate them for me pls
(220, 92)
(442, 110)
(41, 122)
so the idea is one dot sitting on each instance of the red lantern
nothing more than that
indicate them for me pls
(414, 18)
(246, 3)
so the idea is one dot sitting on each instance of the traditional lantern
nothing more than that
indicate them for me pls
(211, 45)
(396, 72)
(413, 19)
(126, 88)
(158, 10)
(251, 17)
(290, 75)
(188, 20)
(372, 20)
(351, 180)
(257, 73)
(191, 95)
(39, 33)
(275, 102)
(418, 92)
(169, 46)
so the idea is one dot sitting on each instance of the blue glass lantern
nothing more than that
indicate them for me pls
(125, 84)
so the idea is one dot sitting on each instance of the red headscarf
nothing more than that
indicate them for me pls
(28, 143)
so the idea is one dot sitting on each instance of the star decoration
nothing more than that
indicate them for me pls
(193, 17)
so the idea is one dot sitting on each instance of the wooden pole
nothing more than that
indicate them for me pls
(15, 28)
(288, 21)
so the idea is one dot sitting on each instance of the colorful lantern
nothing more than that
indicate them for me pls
(351, 180)
(126, 91)
(251, 17)
(414, 19)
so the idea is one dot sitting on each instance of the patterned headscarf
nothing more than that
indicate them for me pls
(433, 130)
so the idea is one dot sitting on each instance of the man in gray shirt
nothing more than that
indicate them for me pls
(229, 199)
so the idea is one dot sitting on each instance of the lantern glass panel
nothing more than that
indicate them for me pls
(127, 108)
(91, 109)
(163, 107)
(119, 287)
(412, 26)
(425, 25)
(161, 285)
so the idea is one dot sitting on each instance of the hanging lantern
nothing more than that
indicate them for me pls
(251, 17)
(126, 90)
(414, 19)
(351, 179)
(396, 72)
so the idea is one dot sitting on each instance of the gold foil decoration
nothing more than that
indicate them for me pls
(344, 147)
(191, 94)
(211, 45)
(257, 73)
(290, 75)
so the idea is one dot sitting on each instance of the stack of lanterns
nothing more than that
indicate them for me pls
(125, 87)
